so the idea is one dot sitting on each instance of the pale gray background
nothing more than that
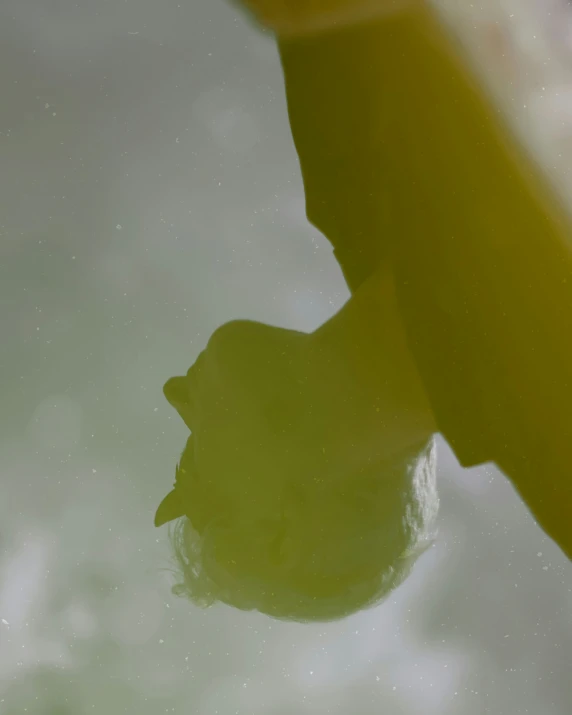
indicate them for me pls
(149, 192)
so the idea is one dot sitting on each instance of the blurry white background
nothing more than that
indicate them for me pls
(149, 192)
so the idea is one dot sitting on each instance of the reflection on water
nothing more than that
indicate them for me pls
(102, 127)
(309, 477)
